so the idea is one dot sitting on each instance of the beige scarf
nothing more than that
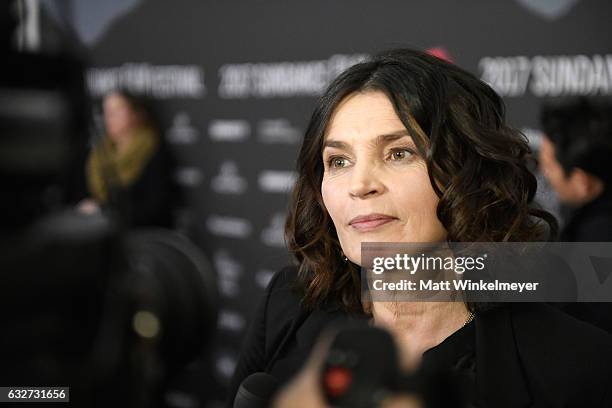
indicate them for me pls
(106, 165)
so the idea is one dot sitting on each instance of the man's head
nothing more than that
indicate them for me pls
(576, 151)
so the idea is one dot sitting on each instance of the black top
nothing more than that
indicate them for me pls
(149, 200)
(591, 222)
(525, 355)
(456, 355)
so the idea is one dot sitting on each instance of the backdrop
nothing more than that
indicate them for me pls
(234, 83)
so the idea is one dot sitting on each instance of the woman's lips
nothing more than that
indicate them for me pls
(370, 223)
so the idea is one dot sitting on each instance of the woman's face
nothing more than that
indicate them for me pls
(375, 187)
(119, 117)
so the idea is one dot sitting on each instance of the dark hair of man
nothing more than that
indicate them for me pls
(581, 131)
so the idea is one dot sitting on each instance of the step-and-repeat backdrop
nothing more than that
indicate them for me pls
(234, 83)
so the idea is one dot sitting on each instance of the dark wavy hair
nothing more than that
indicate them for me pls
(478, 166)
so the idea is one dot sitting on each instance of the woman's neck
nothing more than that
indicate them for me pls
(419, 326)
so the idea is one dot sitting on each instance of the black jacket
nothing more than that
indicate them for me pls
(527, 355)
(149, 201)
(591, 222)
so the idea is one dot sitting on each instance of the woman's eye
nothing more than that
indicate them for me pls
(337, 162)
(400, 154)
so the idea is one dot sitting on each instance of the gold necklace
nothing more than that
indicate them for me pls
(469, 319)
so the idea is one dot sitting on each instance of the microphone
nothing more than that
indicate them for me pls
(256, 391)
(361, 368)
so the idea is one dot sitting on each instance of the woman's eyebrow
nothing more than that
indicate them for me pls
(391, 137)
(380, 139)
(335, 143)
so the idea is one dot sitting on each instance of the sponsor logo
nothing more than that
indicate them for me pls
(159, 81)
(225, 226)
(228, 180)
(188, 176)
(276, 181)
(181, 131)
(263, 277)
(228, 288)
(549, 9)
(278, 131)
(225, 364)
(281, 79)
(227, 266)
(229, 271)
(548, 76)
(229, 130)
(441, 53)
(274, 233)
(87, 21)
(230, 320)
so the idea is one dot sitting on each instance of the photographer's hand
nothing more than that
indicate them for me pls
(305, 389)
(88, 206)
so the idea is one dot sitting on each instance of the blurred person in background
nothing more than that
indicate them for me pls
(129, 166)
(576, 158)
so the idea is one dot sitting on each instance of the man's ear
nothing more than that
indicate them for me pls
(586, 186)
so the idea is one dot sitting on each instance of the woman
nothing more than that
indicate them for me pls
(408, 148)
(129, 167)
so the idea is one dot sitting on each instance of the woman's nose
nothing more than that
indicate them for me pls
(365, 181)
